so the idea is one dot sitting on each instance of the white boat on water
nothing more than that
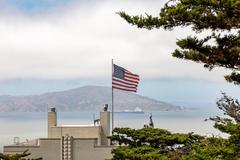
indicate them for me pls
(136, 110)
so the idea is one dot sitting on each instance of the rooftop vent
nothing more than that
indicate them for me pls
(53, 109)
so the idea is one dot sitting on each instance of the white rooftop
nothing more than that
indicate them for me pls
(88, 125)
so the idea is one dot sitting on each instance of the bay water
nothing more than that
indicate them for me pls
(32, 125)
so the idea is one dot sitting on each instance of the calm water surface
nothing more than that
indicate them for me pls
(29, 125)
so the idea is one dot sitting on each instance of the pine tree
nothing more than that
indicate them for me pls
(21, 156)
(151, 143)
(221, 17)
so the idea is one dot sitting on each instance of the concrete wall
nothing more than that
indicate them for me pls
(49, 149)
(76, 132)
(52, 122)
(85, 149)
(88, 143)
(100, 132)
(105, 127)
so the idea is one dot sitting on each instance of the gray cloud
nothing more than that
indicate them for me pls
(80, 39)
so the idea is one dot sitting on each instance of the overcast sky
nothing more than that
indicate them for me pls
(61, 42)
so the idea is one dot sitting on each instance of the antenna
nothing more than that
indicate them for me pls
(151, 124)
(16, 140)
(94, 119)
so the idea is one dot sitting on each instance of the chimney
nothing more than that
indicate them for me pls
(52, 121)
(105, 124)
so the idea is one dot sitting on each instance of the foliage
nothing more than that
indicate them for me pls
(17, 156)
(159, 144)
(151, 143)
(231, 125)
(219, 148)
(220, 17)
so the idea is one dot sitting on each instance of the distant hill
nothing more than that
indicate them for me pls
(88, 98)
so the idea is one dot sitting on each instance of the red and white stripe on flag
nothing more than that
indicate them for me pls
(123, 79)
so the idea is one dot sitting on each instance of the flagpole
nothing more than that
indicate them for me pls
(112, 99)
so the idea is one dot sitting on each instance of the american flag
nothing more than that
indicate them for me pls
(124, 80)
